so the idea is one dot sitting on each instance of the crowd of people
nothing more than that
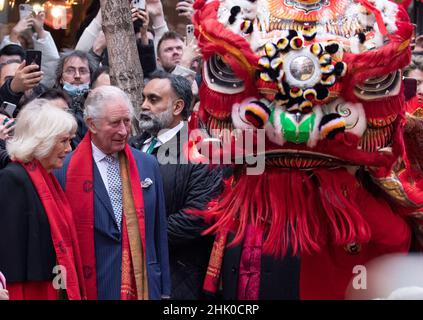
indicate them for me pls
(87, 194)
(110, 224)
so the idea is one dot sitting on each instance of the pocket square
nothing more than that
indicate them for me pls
(146, 183)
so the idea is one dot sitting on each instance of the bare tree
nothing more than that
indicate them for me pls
(125, 67)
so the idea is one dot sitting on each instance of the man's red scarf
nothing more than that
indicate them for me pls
(80, 192)
(62, 227)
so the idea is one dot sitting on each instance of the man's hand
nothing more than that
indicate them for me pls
(154, 8)
(38, 22)
(142, 16)
(191, 52)
(185, 9)
(99, 44)
(20, 27)
(26, 77)
(6, 129)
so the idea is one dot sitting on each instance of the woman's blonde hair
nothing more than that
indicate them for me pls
(37, 128)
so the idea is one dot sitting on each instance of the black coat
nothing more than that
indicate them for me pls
(279, 278)
(186, 186)
(6, 93)
(4, 156)
(26, 246)
(77, 108)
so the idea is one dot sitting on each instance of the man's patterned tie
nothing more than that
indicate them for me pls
(115, 187)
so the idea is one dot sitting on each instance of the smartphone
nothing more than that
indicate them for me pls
(189, 33)
(9, 108)
(139, 4)
(25, 10)
(33, 57)
(410, 88)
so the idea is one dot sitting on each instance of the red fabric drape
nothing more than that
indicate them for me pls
(42, 290)
(63, 232)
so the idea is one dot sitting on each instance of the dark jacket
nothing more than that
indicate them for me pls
(6, 93)
(186, 186)
(279, 278)
(26, 247)
(77, 108)
(4, 156)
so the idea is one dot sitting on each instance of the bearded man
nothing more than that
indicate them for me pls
(187, 186)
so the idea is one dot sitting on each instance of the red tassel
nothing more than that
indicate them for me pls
(344, 217)
(219, 105)
(297, 212)
(384, 108)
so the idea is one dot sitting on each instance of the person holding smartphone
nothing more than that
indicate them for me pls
(6, 127)
(16, 79)
(42, 40)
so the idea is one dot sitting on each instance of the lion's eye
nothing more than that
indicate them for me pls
(220, 77)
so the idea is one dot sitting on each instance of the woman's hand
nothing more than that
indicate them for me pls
(6, 128)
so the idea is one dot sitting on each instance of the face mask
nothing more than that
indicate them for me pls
(74, 90)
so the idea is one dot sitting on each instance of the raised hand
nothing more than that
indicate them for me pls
(26, 77)
(190, 54)
(185, 8)
(99, 44)
(20, 27)
(6, 129)
(154, 7)
(38, 22)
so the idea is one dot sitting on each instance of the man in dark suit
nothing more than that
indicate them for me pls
(186, 185)
(116, 194)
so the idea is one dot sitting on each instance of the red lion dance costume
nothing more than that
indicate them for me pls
(343, 182)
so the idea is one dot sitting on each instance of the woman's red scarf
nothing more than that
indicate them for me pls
(80, 192)
(62, 227)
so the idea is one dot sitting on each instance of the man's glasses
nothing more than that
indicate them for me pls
(72, 71)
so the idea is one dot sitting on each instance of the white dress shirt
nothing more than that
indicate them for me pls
(99, 158)
(164, 137)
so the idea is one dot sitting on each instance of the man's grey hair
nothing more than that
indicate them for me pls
(98, 98)
(38, 127)
(180, 86)
(92, 65)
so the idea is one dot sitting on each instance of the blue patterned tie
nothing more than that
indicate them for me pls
(115, 187)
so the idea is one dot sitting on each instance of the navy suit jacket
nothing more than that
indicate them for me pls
(107, 236)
